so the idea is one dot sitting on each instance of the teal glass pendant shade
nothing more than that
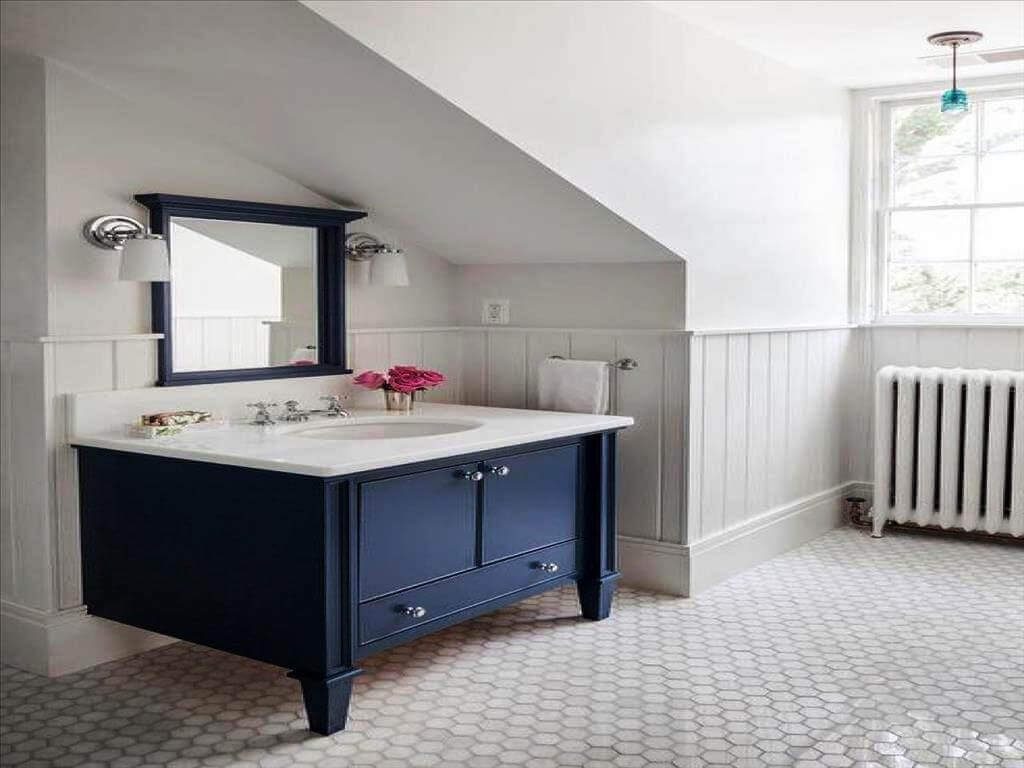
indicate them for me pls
(954, 100)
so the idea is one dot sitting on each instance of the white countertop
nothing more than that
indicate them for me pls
(280, 449)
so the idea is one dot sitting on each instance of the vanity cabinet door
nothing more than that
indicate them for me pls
(416, 528)
(530, 501)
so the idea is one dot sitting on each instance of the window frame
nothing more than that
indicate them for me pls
(881, 154)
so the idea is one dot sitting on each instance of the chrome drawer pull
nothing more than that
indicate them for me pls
(500, 471)
(414, 611)
(475, 475)
(548, 567)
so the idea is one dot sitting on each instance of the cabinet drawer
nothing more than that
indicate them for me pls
(530, 501)
(413, 607)
(415, 528)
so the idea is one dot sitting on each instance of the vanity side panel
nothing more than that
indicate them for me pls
(232, 558)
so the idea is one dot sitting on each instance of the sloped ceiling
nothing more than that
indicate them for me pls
(273, 243)
(275, 82)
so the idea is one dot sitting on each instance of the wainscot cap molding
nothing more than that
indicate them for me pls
(420, 329)
(82, 338)
(566, 329)
(778, 329)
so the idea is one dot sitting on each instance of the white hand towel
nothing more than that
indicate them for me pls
(578, 386)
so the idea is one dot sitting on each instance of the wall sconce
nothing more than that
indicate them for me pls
(144, 255)
(387, 263)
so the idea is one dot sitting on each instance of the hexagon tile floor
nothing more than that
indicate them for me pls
(905, 651)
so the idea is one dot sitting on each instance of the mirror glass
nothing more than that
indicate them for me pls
(243, 294)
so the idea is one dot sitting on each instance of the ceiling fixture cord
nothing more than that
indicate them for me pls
(954, 100)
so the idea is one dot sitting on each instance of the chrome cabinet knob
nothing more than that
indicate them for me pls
(548, 567)
(475, 475)
(414, 611)
(500, 471)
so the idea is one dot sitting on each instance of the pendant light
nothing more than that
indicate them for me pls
(954, 100)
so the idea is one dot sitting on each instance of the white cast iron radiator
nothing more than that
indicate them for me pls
(949, 449)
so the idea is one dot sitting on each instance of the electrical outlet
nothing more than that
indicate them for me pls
(496, 312)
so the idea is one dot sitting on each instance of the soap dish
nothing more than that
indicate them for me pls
(151, 431)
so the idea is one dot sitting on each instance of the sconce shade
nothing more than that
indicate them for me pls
(359, 272)
(389, 268)
(145, 259)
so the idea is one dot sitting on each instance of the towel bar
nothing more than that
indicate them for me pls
(623, 363)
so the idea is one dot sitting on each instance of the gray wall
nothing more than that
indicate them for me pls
(23, 302)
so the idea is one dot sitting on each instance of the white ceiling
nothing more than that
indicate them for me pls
(859, 43)
(274, 82)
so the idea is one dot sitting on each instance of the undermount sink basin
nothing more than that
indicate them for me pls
(385, 428)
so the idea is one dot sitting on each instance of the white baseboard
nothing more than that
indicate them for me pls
(654, 565)
(688, 569)
(776, 531)
(57, 644)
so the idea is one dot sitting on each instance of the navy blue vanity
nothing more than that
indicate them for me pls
(314, 573)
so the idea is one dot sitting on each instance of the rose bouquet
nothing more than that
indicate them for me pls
(400, 384)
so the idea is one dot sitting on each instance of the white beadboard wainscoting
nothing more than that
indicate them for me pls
(208, 343)
(44, 627)
(767, 463)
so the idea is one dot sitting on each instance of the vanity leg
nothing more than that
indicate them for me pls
(598, 576)
(596, 596)
(326, 699)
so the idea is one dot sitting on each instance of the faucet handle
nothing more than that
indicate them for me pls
(291, 405)
(330, 399)
(262, 412)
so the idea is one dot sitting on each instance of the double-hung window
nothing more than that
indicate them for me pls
(951, 210)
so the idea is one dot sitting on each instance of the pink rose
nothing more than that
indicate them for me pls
(370, 380)
(406, 380)
(432, 378)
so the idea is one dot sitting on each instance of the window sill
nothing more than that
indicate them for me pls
(1013, 324)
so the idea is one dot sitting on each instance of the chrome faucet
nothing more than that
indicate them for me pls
(263, 416)
(334, 407)
(292, 412)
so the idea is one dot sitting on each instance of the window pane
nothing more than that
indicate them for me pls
(930, 236)
(1002, 177)
(934, 181)
(925, 131)
(1003, 121)
(999, 289)
(927, 289)
(999, 234)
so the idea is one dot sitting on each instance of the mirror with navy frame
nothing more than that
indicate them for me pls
(257, 290)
